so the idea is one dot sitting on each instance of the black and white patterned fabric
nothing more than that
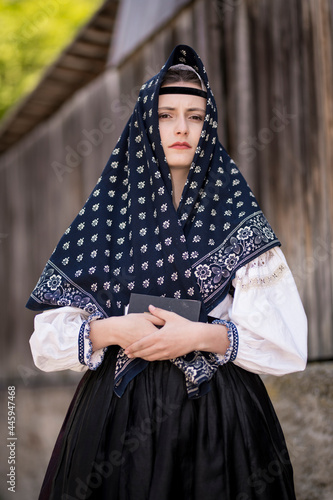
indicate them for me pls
(128, 237)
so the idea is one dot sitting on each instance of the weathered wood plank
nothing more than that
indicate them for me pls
(271, 69)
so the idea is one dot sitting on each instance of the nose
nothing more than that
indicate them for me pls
(181, 126)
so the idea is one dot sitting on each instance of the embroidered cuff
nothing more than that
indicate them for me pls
(86, 355)
(231, 352)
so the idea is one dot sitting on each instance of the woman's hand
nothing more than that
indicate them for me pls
(123, 330)
(178, 337)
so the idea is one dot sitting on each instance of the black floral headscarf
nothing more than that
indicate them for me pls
(128, 237)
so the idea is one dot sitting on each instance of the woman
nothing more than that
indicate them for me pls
(170, 407)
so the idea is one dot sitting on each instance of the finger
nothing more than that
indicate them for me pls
(140, 345)
(154, 319)
(160, 313)
(149, 353)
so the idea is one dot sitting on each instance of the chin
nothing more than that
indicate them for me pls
(180, 163)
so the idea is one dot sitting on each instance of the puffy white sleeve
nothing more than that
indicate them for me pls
(60, 341)
(269, 316)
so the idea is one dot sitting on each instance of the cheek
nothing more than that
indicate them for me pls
(163, 134)
(197, 133)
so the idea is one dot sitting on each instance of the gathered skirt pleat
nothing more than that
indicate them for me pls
(154, 443)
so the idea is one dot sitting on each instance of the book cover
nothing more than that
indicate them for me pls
(187, 308)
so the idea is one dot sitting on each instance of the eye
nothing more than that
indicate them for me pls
(198, 118)
(162, 116)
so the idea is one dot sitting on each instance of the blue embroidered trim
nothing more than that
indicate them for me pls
(235, 343)
(81, 343)
(55, 288)
(251, 237)
(89, 352)
(232, 350)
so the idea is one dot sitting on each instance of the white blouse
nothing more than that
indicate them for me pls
(266, 309)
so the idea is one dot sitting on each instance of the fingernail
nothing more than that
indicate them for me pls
(152, 307)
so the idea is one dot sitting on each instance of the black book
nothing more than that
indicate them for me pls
(187, 308)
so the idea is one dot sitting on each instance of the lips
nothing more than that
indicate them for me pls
(180, 145)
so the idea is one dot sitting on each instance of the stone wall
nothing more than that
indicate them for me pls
(304, 404)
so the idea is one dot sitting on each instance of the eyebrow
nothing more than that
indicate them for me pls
(171, 108)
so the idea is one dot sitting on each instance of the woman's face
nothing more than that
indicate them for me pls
(181, 117)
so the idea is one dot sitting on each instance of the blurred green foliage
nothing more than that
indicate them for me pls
(33, 33)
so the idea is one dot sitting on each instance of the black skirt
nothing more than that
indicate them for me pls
(154, 443)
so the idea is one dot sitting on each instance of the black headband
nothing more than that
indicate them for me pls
(183, 90)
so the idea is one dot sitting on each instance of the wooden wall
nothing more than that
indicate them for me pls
(270, 65)
(278, 67)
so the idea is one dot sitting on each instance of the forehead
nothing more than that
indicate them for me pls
(181, 100)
